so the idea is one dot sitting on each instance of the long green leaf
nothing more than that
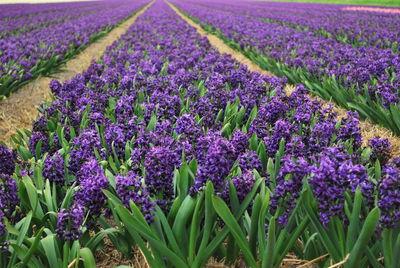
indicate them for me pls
(268, 255)
(49, 246)
(88, 259)
(353, 229)
(362, 242)
(223, 211)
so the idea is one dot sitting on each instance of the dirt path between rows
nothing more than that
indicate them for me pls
(19, 110)
(220, 45)
(368, 129)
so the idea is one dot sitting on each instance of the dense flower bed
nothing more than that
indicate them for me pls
(357, 28)
(46, 19)
(29, 54)
(362, 78)
(15, 11)
(167, 145)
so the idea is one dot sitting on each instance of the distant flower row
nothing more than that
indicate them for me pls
(52, 38)
(365, 78)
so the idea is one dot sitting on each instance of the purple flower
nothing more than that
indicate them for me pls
(34, 140)
(8, 195)
(69, 222)
(3, 228)
(187, 126)
(160, 163)
(332, 175)
(389, 197)
(243, 185)
(328, 188)
(82, 149)
(249, 160)
(288, 186)
(282, 130)
(357, 175)
(130, 188)
(7, 160)
(91, 181)
(115, 138)
(53, 169)
(55, 87)
(350, 130)
(380, 150)
(321, 134)
(216, 165)
(240, 141)
(296, 147)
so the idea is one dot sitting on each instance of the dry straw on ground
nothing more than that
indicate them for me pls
(19, 110)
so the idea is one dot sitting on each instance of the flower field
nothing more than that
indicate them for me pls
(167, 148)
(34, 43)
(355, 62)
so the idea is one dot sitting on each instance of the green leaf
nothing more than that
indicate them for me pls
(152, 122)
(396, 255)
(394, 110)
(208, 221)
(48, 198)
(25, 227)
(233, 197)
(168, 232)
(361, 244)
(33, 197)
(254, 224)
(184, 213)
(353, 229)
(223, 211)
(49, 246)
(156, 244)
(325, 238)
(194, 227)
(387, 245)
(33, 248)
(268, 255)
(88, 258)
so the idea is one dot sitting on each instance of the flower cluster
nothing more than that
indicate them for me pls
(8, 195)
(7, 160)
(380, 150)
(216, 166)
(53, 169)
(130, 188)
(389, 193)
(91, 181)
(288, 187)
(332, 175)
(243, 184)
(160, 163)
(70, 222)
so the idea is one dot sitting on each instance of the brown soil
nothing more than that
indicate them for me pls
(19, 110)
(368, 129)
(374, 9)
